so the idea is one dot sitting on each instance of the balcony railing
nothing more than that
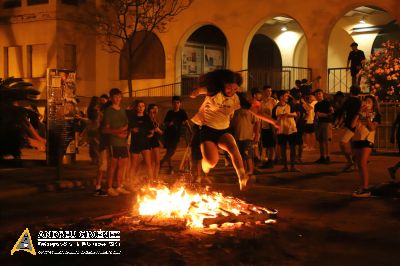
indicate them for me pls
(339, 79)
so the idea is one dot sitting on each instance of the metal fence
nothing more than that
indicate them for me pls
(339, 79)
(279, 79)
(389, 112)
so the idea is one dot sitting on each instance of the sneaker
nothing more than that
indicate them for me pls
(321, 160)
(112, 192)
(100, 193)
(122, 190)
(327, 160)
(348, 167)
(295, 169)
(392, 173)
(361, 193)
(243, 182)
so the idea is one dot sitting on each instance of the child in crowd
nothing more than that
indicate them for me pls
(285, 114)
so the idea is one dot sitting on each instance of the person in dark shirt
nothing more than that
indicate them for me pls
(356, 58)
(173, 121)
(351, 108)
(142, 130)
(323, 111)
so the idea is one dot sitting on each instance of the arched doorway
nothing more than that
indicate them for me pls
(277, 54)
(264, 54)
(204, 51)
(368, 26)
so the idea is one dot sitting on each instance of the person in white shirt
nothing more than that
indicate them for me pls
(285, 115)
(309, 130)
(220, 87)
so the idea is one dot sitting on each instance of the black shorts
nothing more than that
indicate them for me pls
(246, 149)
(268, 138)
(119, 151)
(195, 143)
(359, 144)
(212, 134)
(309, 128)
(283, 139)
(139, 145)
(154, 142)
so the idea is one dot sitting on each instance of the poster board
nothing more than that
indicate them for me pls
(61, 106)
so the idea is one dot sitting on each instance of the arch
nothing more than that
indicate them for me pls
(349, 28)
(201, 49)
(289, 49)
(257, 27)
(148, 61)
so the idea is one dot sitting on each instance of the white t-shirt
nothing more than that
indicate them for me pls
(266, 110)
(287, 124)
(310, 116)
(216, 111)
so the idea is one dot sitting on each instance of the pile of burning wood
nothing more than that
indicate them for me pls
(158, 205)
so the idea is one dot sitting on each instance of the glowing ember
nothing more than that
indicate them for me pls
(193, 207)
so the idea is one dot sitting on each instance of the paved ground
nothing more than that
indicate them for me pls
(319, 222)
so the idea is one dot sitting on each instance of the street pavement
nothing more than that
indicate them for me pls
(316, 204)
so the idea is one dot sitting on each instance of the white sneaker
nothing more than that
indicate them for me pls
(122, 190)
(112, 192)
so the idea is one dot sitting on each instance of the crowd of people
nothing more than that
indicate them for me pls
(254, 130)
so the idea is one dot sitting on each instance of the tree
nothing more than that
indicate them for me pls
(118, 23)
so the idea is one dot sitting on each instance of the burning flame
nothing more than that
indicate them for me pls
(192, 207)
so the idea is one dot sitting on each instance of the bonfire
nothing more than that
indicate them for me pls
(199, 210)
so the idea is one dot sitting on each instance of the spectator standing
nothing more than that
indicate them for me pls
(323, 111)
(116, 125)
(285, 115)
(173, 121)
(365, 124)
(142, 130)
(351, 108)
(155, 139)
(309, 128)
(268, 134)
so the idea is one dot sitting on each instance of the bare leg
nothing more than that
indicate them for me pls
(111, 171)
(363, 166)
(147, 159)
(228, 143)
(210, 155)
(121, 170)
(156, 161)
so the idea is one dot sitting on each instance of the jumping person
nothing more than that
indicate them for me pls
(220, 87)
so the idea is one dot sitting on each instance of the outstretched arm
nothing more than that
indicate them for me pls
(198, 91)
